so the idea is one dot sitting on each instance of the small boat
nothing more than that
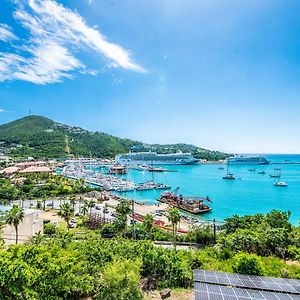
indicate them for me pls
(221, 168)
(251, 170)
(161, 186)
(124, 190)
(281, 184)
(145, 186)
(276, 174)
(262, 172)
(229, 176)
(156, 169)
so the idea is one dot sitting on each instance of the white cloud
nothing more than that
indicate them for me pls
(56, 35)
(2, 110)
(5, 33)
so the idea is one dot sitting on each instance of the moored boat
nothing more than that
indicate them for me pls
(229, 176)
(281, 184)
(193, 205)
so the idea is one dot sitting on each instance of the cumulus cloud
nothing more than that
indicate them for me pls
(6, 34)
(56, 36)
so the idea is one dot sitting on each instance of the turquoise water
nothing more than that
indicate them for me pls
(250, 193)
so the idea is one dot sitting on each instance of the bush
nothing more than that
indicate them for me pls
(50, 229)
(108, 230)
(198, 235)
(248, 264)
(294, 252)
(120, 281)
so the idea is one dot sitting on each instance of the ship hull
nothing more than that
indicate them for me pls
(155, 163)
(248, 163)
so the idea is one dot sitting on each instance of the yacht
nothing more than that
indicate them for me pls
(281, 184)
(276, 174)
(228, 175)
(247, 160)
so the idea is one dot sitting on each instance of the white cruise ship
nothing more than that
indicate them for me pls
(153, 158)
(247, 160)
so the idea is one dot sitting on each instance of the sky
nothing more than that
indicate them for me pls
(220, 74)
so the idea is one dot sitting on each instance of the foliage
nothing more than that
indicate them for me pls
(120, 281)
(198, 235)
(248, 264)
(123, 209)
(265, 235)
(40, 186)
(173, 216)
(50, 229)
(148, 224)
(14, 217)
(66, 212)
(40, 137)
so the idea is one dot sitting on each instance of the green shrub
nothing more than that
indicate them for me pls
(198, 235)
(50, 229)
(249, 264)
(120, 281)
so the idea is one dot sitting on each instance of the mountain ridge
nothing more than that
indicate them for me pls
(41, 137)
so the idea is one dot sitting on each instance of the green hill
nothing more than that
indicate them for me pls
(40, 137)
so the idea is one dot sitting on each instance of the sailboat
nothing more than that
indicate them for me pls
(228, 176)
(280, 183)
(276, 174)
(151, 184)
(159, 186)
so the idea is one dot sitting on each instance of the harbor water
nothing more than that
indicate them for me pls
(250, 193)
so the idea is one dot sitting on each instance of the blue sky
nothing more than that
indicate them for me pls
(222, 74)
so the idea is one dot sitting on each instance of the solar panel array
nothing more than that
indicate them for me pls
(227, 286)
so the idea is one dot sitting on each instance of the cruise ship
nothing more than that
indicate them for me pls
(153, 158)
(247, 160)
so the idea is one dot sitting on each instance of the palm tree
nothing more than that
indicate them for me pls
(73, 201)
(85, 208)
(173, 216)
(79, 203)
(148, 223)
(105, 211)
(14, 217)
(91, 204)
(66, 212)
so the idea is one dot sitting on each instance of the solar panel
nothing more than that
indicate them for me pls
(206, 291)
(282, 285)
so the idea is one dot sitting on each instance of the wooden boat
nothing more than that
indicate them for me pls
(193, 205)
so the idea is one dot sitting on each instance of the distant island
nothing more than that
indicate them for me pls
(40, 137)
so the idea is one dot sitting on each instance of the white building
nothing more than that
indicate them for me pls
(32, 224)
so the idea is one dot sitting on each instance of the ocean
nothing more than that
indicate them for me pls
(250, 193)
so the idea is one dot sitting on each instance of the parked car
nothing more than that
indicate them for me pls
(73, 220)
(98, 207)
(71, 225)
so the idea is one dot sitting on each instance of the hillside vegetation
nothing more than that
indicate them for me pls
(40, 137)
